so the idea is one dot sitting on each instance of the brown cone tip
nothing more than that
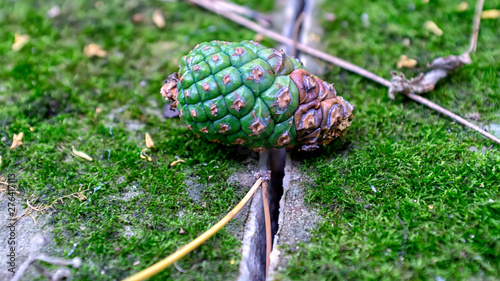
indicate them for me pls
(321, 115)
(169, 90)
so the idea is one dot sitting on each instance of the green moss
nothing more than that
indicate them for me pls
(404, 195)
(135, 208)
(414, 158)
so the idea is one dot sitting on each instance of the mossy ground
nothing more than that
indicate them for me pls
(135, 208)
(419, 163)
(406, 195)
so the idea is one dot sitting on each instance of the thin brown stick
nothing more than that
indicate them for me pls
(296, 31)
(267, 218)
(440, 67)
(340, 62)
(475, 26)
(285, 40)
(452, 115)
(245, 11)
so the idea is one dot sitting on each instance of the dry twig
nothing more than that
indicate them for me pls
(4, 187)
(33, 210)
(296, 32)
(263, 19)
(17, 140)
(61, 273)
(267, 217)
(439, 68)
(209, 5)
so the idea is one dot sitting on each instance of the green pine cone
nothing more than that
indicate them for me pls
(244, 93)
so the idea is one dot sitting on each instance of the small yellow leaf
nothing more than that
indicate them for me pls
(94, 50)
(149, 141)
(462, 7)
(490, 14)
(431, 207)
(231, 262)
(404, 61)
(81, 154)
(19, 41)
(17, 140)
(432, 27)
(158, 18)
(176, 162)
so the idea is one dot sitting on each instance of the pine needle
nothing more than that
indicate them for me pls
(267, 218)
(166, 262)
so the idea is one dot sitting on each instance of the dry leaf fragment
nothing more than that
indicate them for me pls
(462, 7)
(490, 14)
(432, 27)
(158, 18)
(81, 154)
(231, 261)
(94, 50)
(431, 207)
(481, 185)
(176, 162)
(17, 140)
(404, 61)
(143, 155)
(136, 262)
(19, 41)
(149, 141)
